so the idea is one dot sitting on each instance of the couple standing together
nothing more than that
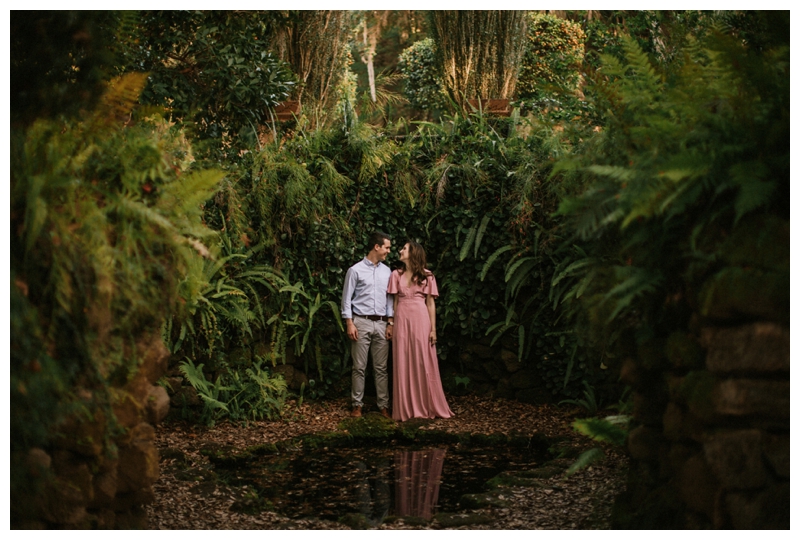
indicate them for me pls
(380, 305)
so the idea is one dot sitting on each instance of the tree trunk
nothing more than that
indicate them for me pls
(480, 52)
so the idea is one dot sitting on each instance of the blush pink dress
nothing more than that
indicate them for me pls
(417, 386)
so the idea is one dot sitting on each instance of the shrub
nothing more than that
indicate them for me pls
(424, 87)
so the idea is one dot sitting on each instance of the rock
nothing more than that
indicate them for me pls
(649, 409)
(523, 379)
(509, 359)
(73, 471)
(681, 424)
(82, 435)
(186, 395)
(157, 406)
(494, 371)
(173, 385)
(138, 461)
(536, 396)
(735, 459)
(288, 374)
(684, 352)
(477, 350)
(127, 409)
(776, 450)
(504, 389)
(645, 443)
(153, 356)
(105, 488)
(697, 486)
(240, 357)
(760, 347)
(38, 462)
(739, 397)
(735, 293)
(768, 509)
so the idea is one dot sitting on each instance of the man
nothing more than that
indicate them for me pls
(368, 311)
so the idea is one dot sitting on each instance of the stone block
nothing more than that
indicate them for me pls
(523, 379)
(649, 409)
(105, 488)
(645, 443)
(494, 371)
(173, 385)
(510, 361)
(740, 397)
(477, 350)
(82, 435)
(535, 396)
(684, 351)
(186, 395)
(153, 356)
(697, 486)
(736, 293)
(735, 458)
(73, 471)
(680, 423)
(766, 509)
(138, 461)
(758, 348)
(157, 404)
(776, 450)
(127, 409)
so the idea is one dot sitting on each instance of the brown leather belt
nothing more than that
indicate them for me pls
(372, 317)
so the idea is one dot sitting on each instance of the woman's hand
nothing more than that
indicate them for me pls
(432, 338)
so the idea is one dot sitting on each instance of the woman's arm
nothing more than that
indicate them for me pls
(431, 303)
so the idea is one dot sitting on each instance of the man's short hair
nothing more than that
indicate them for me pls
(377, 238)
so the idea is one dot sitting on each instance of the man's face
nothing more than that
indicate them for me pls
(383, 250)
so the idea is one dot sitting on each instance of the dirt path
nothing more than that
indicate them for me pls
(189, 496)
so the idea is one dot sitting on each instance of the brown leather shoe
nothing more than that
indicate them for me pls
(356, 412)
(385, 413)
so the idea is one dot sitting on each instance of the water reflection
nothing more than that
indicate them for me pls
(375, 481)
(417, 476)
(372, 491)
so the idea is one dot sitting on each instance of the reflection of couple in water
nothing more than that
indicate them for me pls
(417, 474)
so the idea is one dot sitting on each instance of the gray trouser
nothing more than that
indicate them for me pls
(371, 337)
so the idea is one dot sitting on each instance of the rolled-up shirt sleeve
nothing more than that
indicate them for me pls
(389, 305)
(347, 294)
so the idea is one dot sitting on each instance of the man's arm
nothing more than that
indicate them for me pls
(347, 303)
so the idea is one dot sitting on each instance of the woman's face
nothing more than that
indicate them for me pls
(404, 253)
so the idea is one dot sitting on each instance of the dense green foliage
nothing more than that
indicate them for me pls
(553, 59)
(106, 223)
(684, 207)
(213, 70)
(59, 61)
(424, 87)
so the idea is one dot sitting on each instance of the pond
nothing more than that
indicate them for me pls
(377, 481)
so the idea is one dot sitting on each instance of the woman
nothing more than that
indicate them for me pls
(417, 387)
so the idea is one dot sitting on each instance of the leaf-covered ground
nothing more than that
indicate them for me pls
(189, 494)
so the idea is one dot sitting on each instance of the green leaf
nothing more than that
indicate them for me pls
(585, 460)
(492, 258)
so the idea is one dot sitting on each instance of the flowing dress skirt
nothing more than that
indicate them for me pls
(417, 385)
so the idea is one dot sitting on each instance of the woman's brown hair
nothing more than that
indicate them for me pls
(416, 263)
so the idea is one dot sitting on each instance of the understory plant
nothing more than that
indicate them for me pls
(106, 221)
(249, 394)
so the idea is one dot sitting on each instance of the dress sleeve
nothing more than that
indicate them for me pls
(393, 285)
(430, 286)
